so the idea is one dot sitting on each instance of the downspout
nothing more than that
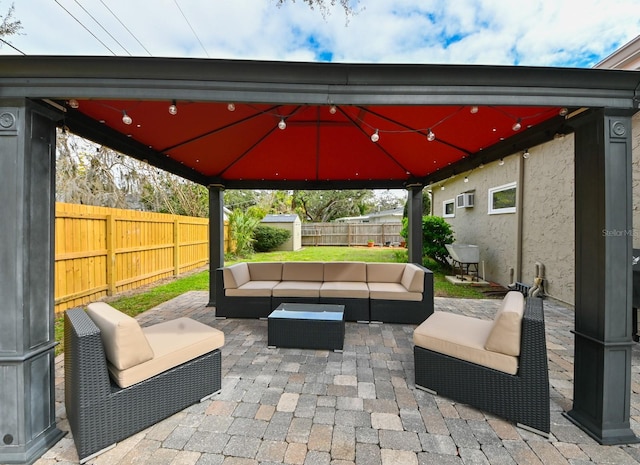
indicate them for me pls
(519, 216)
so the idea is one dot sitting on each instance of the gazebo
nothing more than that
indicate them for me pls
(277, 125)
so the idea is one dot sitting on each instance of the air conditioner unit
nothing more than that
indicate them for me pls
(465, 200)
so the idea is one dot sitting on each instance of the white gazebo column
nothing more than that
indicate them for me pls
(602, 364)
(27, 342)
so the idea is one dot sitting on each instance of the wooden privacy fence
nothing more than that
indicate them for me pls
(349, 234)
(102, 251)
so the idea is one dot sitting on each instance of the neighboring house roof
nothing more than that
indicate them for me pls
(626, 57)
(280, 219)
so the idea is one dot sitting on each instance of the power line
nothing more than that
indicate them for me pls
(13, 47)
(192, 30)
(85, 27)
(124, 26)
(102, 27)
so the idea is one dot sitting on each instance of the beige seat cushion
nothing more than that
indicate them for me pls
(303, 271)
(265, 271)
(174, 343)
(297, 289)
(384, 272)
(412, 278)
(345, 289)
(462, 337)
(345, 272)
(253, 289)
(506, 332)
(392, 291)
(125, 345)
(236, 275)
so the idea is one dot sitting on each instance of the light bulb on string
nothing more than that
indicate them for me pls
(375, 137)
(430, 136)
(173, 108)
(282, 124)
(466, 179)
(126, 119)
(73, 103)
(473, 110)
(231, 106)
(517, 125)
(526, 154)
(333, 109)
(501, 162)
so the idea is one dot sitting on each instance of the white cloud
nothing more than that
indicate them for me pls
(543, 32)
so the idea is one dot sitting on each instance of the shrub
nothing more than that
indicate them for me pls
(268, 238)
(436, 232)
(241, 227)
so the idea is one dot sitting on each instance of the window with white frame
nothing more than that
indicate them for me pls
(502, 199)
(449, 208)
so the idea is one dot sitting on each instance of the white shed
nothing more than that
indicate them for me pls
(292, 224)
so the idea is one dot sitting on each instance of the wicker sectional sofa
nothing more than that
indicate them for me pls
(499, 366)
(385, 292)
(121, 378)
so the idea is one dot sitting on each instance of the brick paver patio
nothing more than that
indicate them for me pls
(359, 406)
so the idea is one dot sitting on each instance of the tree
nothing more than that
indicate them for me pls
(325, 5)
(426, 205)
(324, 206)
(8, 25)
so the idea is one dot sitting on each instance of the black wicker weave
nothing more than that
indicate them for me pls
(297, 330)
(522, 398)
(100, 412)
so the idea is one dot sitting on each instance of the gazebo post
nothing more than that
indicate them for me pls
(216, 238)
(27, 342)
(603, 205)
(414, 212)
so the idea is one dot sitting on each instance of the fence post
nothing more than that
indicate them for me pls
(111, 254)
(176, 246)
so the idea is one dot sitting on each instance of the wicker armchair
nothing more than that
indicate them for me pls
(100, 412)
(522, 398)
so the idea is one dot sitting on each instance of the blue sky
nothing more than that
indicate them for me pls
(574, 33)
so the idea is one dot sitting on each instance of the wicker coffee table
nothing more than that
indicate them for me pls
(307, 326)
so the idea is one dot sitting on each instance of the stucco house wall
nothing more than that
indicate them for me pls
(547, 181)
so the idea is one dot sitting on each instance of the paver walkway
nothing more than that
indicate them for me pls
(359, 406)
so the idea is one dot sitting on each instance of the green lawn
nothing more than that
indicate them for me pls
(138, 302)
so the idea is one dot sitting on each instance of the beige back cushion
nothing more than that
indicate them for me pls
(303, 271)
(507, 326)
(125, 344)
(384, 272)
(267, 271)
(235, 275)
(345, 272)
(413, 278)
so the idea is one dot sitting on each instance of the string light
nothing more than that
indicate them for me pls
(526, 154)
(282, 124)
(466, 179)
(442, 187)
(473, 110)
(333, 109)
(517, 125)
(501, 162)
(563, 112)
(431, 136)
(73, 103)
(126, 119)
(231, 107)
(173, 108)
(375, 137)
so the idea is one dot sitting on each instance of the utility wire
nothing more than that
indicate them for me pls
(191, 27)
(126, 28)
(13, 47)
(102, 27)
(85, 27)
